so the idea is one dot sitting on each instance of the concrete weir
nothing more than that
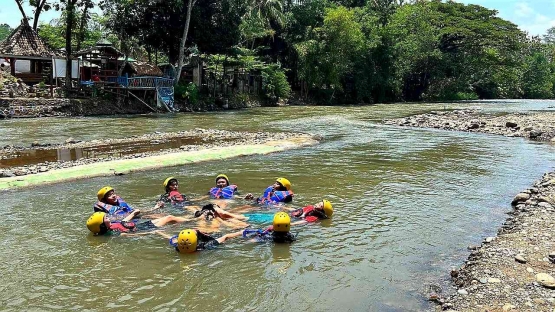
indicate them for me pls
(125, 166)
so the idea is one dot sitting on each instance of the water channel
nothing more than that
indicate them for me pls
(407, 204)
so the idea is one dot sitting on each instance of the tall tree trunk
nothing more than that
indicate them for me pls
(25, 19)
(40, 6)
(70, 10)
(81, 37)
(183, 40)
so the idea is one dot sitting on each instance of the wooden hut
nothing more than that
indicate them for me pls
(138, 69)
(105, 58)
(29, 57)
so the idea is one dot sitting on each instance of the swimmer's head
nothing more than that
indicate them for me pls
(170, 182)
(222, 180)
(282, 222)
(328, 209)
(187, 241)
(101, 194)
(284, 183)
(98, 223)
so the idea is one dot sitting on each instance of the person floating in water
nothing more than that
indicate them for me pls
(278, 232)
(312, 213)
(99, 223)
(223, 190)
(172, 194)
(191, 240)
(113, 205)
(279, 192)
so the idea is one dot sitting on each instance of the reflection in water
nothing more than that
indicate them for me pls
(407, 202)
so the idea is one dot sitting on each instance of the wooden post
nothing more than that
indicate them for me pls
(12, 66)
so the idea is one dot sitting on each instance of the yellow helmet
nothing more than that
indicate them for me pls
(328, 209)
(222, 176)
(95, 221)
(187, 241)
(282, 222)
(284, 182)
(103, 191)
(167, 181)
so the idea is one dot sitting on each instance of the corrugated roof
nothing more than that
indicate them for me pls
(24, 41)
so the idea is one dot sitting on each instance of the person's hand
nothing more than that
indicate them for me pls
(159, 204)
(135, 212)
(249, 196)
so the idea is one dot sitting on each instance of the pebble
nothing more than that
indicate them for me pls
(462, 292)
(545, 280)
(520, 259)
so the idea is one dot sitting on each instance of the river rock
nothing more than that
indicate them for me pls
(546, 280)
(508, 307)
(511, 124)
(520, 259)
(535, 134)
(520, 197)
(493, 280)
(462, 292)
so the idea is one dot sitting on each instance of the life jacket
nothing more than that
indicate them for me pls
(270, 196)
(223, 193)
(123, 227)
(122, 208)
(308, 214)
(173, 197)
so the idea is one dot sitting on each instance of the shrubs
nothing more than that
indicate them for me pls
(274, 83)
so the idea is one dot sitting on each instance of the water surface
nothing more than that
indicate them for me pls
(407, 203)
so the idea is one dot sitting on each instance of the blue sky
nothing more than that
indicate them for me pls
(533, 16)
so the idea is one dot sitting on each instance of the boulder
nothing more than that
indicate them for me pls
(520, 197)
(511, 124)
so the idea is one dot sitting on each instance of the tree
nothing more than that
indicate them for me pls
(184, 40)
(38, 7)
(5, 31)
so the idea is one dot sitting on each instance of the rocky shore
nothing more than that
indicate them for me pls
(515, 270)
(538, 126)
(196, 139)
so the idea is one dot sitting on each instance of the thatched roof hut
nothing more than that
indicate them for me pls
(25, 43)
(137, 68)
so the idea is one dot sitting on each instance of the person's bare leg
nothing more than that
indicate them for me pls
(169, 219)
(228, 215)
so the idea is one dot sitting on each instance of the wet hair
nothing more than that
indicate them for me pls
(103, 229)
(283, 237)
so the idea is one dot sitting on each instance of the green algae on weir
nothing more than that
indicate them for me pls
(151, 162)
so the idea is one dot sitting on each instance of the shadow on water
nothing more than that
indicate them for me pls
(30, 157)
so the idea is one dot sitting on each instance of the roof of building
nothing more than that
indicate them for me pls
(144, 69)
(25, 42)
(102, 46)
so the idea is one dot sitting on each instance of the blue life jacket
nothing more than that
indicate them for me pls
(271, 197)
(225, 193)
(121, 208)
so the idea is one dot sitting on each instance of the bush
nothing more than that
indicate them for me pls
(187, 92)
(274, 83)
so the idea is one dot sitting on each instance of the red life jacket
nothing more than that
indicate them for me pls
(308, 214)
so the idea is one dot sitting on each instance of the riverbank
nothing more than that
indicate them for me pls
(198, 145)
(515, 270)
(538, 126)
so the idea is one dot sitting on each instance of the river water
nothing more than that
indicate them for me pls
(407, 204)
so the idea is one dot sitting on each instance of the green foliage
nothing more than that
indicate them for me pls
(5, 31)
(274, 83)
(187, 92)
(53, 33)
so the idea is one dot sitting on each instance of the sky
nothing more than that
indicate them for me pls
(532, 16)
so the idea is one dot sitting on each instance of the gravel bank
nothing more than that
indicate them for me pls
(538, 126)
(202, 138)
(515, 270)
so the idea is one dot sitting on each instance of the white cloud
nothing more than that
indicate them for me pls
(523, 9)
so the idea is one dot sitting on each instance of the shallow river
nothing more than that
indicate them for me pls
(407, 204)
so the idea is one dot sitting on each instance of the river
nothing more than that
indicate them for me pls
(407, 204)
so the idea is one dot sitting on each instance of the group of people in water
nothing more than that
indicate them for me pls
(113, 215)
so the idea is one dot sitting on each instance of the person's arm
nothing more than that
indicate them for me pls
(158, 205)
(288, 208)
(132, 215)
(222, 239)
(301, 222)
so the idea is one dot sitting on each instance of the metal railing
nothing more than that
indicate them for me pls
(148, 82)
